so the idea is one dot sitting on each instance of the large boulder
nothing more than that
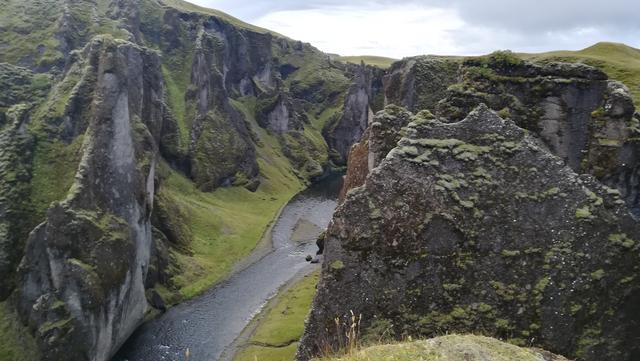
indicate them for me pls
(474, 226)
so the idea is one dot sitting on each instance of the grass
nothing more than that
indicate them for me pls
(379, 61)
(619, 61)
(177, 82)
(275, 338)
(446, 348)
(54, 170)
(227, 224)
(16, 344)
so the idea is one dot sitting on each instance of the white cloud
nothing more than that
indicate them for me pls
(394, 31)
(398, 28)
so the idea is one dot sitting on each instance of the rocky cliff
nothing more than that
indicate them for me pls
(365, 96)
(476, 226)
(113, 112)
(581, 115)
(81, 284)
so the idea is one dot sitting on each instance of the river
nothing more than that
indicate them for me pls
(208, 324)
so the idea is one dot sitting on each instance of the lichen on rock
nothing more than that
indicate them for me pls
(436, 242)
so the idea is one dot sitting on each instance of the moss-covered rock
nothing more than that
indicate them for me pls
(498, 241)
(582, 117)
(81, 289)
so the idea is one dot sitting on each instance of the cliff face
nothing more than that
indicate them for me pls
(584, 118)
(81, 280)
(365, 96)
(475, 226)
(107, 103)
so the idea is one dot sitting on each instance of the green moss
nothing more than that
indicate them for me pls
(451, 286)
(622, 240)
(583, 212)
(49, 326)
(503, 325)
(16, 343)
(337, 265)
(598, 275)
(54, 170)
(508, 253)
(575, 308)
(177, 80)
(435, 143)
(469, 152)
(589, 339)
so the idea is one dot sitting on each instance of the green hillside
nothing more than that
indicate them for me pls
(621, 62)
(379, 61)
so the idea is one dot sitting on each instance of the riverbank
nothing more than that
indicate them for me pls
(206, 325)
(273, 334)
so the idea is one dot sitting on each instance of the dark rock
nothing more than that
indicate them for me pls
(82, 277)
(320, 243)
(156, 301)
(580, 115)
(419, 83)
(16, 153)
(359, 105)
(475, 227)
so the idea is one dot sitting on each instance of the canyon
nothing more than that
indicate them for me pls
(147, 145)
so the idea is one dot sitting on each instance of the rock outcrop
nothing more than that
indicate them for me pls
(363, 99)
(581, 116)
(475, 226)
(81, 286)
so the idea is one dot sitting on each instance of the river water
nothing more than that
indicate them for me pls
(208, 324)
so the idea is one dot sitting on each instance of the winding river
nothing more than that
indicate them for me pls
(208, 324)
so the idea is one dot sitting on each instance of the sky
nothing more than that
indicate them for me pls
(444, 27)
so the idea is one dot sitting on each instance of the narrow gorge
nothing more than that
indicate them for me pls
(168, 172)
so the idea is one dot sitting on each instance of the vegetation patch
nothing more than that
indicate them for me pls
(379, 61)
(449, 348)
(275, 338)
(226, 225)
(16, 343)
(619, 61)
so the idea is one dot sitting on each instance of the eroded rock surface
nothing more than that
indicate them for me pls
(581, 116)
(81, 286)
(363, 99)
(474, 226)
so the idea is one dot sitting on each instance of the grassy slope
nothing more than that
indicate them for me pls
(16, 344)
(447, 348)
(379, 61)
(228, 223)
(275, 338)
(619, 61)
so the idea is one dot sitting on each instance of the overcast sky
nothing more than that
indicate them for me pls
(447, 27)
